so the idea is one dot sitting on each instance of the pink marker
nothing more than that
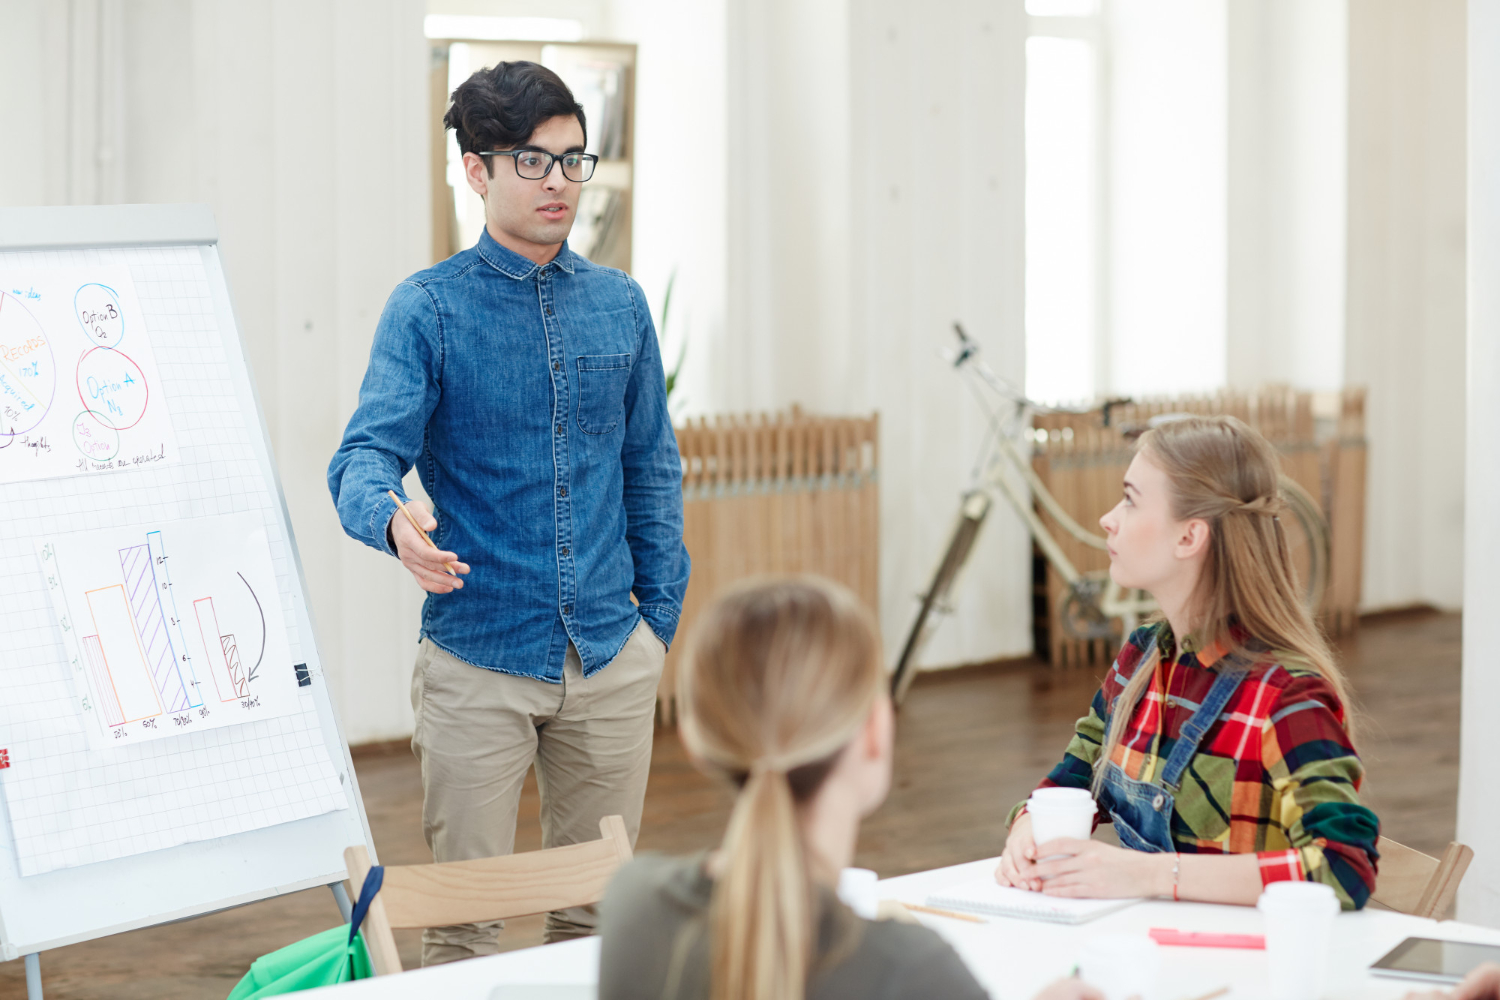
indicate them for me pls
(1169, 937)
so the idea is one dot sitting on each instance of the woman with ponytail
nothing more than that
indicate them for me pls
(1221, 745)
(783, 695)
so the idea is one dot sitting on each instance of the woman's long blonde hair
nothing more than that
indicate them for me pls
(1225, 472)
(779, 677)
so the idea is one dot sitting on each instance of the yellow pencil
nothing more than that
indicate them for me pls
(425, 537)
(945, 913)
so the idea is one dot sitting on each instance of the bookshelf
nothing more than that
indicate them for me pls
(602, 77)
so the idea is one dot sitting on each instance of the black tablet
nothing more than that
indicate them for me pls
(1434, 961)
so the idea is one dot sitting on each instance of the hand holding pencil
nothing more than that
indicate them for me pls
(435, 571)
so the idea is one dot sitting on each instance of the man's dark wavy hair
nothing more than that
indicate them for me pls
(500, 107)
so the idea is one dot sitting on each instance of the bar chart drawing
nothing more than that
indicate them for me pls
(157, 549)
(229, 679)
(125, 663)
(109, 702)
(143, 671)
(151, 624)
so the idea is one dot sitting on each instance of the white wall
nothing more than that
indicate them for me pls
(1478, 807)
(680, 214)
(304, 125)
(850, 255)
(1288, 192)
(1405, 338)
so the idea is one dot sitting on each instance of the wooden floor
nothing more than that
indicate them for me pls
(970, 744)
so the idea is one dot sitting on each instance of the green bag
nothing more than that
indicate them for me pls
(337, 955)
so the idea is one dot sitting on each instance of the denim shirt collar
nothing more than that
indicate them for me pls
(512, 264)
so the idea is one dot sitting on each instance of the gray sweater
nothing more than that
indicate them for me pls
(657, 906)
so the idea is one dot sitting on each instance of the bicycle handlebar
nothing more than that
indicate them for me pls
(968, 352)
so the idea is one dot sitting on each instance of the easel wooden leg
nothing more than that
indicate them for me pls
(339, 894)
(33, 977)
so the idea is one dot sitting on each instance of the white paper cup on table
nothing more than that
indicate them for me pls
(1121, 966)
(1299, 920)
(857, 891)
(1061, 812)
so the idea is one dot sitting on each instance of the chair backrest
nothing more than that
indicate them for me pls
(1414, 883)
(466, 892)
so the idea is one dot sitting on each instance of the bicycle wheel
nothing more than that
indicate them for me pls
(1308, 538)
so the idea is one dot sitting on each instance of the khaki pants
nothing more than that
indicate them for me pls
(477, 732)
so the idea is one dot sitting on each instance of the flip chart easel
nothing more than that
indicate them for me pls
(223, 465)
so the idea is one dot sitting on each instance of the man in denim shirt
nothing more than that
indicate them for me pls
(525, 385)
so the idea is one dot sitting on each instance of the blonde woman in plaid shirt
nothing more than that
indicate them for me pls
(1221, 742)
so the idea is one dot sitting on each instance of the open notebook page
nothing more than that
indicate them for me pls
(985, 896)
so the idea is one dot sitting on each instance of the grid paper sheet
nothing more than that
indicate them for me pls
(70, 805)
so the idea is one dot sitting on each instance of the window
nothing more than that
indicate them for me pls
(1063, 216)
(1126, 210)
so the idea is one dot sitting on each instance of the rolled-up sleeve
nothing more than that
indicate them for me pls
(652, 469)
(1315, 774)
(384, 437)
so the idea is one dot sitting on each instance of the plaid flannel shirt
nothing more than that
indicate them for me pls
(1276, 773)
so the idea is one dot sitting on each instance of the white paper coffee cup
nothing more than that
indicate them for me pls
(1299, 920)
(1121, 966)
(1061, 812)
(858, 892)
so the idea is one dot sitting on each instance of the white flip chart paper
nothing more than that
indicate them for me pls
(80, 393)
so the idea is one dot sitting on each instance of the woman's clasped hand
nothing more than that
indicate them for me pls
(1086, 869)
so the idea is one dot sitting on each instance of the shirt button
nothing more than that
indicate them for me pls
(562, 491)
(567, 609)
(559, 428)
(557, 366)
(566, 550)
(1171, 702)
(549, 310)
(1158, 802)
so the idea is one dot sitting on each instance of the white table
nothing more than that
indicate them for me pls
(1012, 958)
(1016, 958)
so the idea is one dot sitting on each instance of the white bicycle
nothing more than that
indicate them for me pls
(1093, 606)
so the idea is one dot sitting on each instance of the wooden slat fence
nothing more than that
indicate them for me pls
(1082, 462)
(776, 493)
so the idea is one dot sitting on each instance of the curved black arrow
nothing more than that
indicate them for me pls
(251, 676)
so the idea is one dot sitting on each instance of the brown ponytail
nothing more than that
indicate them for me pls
(780, 675)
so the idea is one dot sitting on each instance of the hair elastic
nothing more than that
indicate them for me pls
(1270, 505)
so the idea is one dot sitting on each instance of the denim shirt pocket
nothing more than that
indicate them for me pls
(602, 379)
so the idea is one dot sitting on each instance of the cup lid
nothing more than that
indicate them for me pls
(1298, 897)
(1062, 796)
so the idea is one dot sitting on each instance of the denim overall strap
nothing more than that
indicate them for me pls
(1230, 675)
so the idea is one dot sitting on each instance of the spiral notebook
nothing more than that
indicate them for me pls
(985, 896)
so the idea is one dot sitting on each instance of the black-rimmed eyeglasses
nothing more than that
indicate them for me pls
(534, 164)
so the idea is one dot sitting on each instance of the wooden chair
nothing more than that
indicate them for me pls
(1411, 882)
(466, 892)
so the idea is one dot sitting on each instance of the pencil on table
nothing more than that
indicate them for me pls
(945, 913)
(425, 537)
